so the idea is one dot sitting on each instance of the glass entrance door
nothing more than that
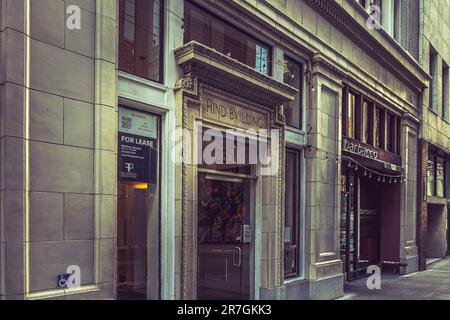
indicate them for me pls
(224, 237)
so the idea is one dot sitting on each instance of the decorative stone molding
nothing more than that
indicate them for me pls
(226, 72)
(333, 12)
(206, 72)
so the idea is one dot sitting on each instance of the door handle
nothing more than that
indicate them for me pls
(239, 251)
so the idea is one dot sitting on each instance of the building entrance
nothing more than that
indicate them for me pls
(224, 236)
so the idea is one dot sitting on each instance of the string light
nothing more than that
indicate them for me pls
(355, 165)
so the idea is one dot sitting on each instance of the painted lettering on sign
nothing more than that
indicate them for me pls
(363, 150)
(234, 115)
(359, 149)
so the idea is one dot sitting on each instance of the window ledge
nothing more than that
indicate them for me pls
(296, 130)
(140, 80)
(437, 200)
(294, 280)
(435, 112)
(218, 68)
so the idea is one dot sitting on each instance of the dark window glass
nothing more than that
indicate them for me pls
(292, 216)
(379, 128)
(431, 178)
(140, 38)
(211, 31)
(351, 113)
(391, 135)
(367, 111)
(440, 165)
(399, 135)
(293, 77)
(445, 91)
(433, 91)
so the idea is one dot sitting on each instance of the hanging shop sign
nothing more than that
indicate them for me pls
(137, 157)
(366, 151)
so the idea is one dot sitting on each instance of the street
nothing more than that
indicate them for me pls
(432, 284)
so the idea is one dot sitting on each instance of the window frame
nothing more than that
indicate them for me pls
(437, 179)
(433, 66)
(373, 106)
(301, 92)
(162, 17)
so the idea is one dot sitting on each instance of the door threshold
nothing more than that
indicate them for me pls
(430, 261)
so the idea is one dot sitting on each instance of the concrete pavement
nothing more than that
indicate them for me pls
(432, 284)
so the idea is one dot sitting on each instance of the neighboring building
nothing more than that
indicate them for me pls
(92, 121)
(434, 146)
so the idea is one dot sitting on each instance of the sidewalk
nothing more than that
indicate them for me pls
(432, 284)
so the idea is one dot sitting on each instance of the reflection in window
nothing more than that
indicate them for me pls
(203, 27)
(379, 128)
(293, 77)
(351, 116)
(261, 58)
(440, 165)
(445, 91)
(291, 229)
(431, 191)
(140, 44)
(367, 123)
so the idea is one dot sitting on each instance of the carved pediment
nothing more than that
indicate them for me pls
(217, 69)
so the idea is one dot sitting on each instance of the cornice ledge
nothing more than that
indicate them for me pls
(342, 20)
(320, 59)
(199, 53)
(408, 117)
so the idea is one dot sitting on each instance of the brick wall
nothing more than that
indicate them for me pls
(422, 212)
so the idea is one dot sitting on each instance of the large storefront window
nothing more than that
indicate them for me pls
(211, 31)
(141, 38)
(379, 125)
(293, 77)
(137, 206)
(292, 214)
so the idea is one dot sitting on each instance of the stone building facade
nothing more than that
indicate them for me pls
(58, 102)
(434, 145)
(91, 120)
